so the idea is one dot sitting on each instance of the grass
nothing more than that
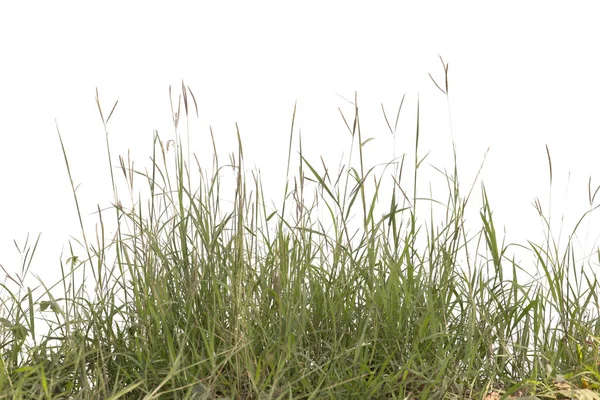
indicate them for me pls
(198, 298)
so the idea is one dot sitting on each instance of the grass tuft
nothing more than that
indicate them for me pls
(197, 298)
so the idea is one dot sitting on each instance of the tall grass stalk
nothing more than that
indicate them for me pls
(196, 299)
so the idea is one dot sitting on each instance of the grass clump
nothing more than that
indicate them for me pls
(197, 298)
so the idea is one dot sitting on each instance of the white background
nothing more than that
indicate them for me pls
(522, 75)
